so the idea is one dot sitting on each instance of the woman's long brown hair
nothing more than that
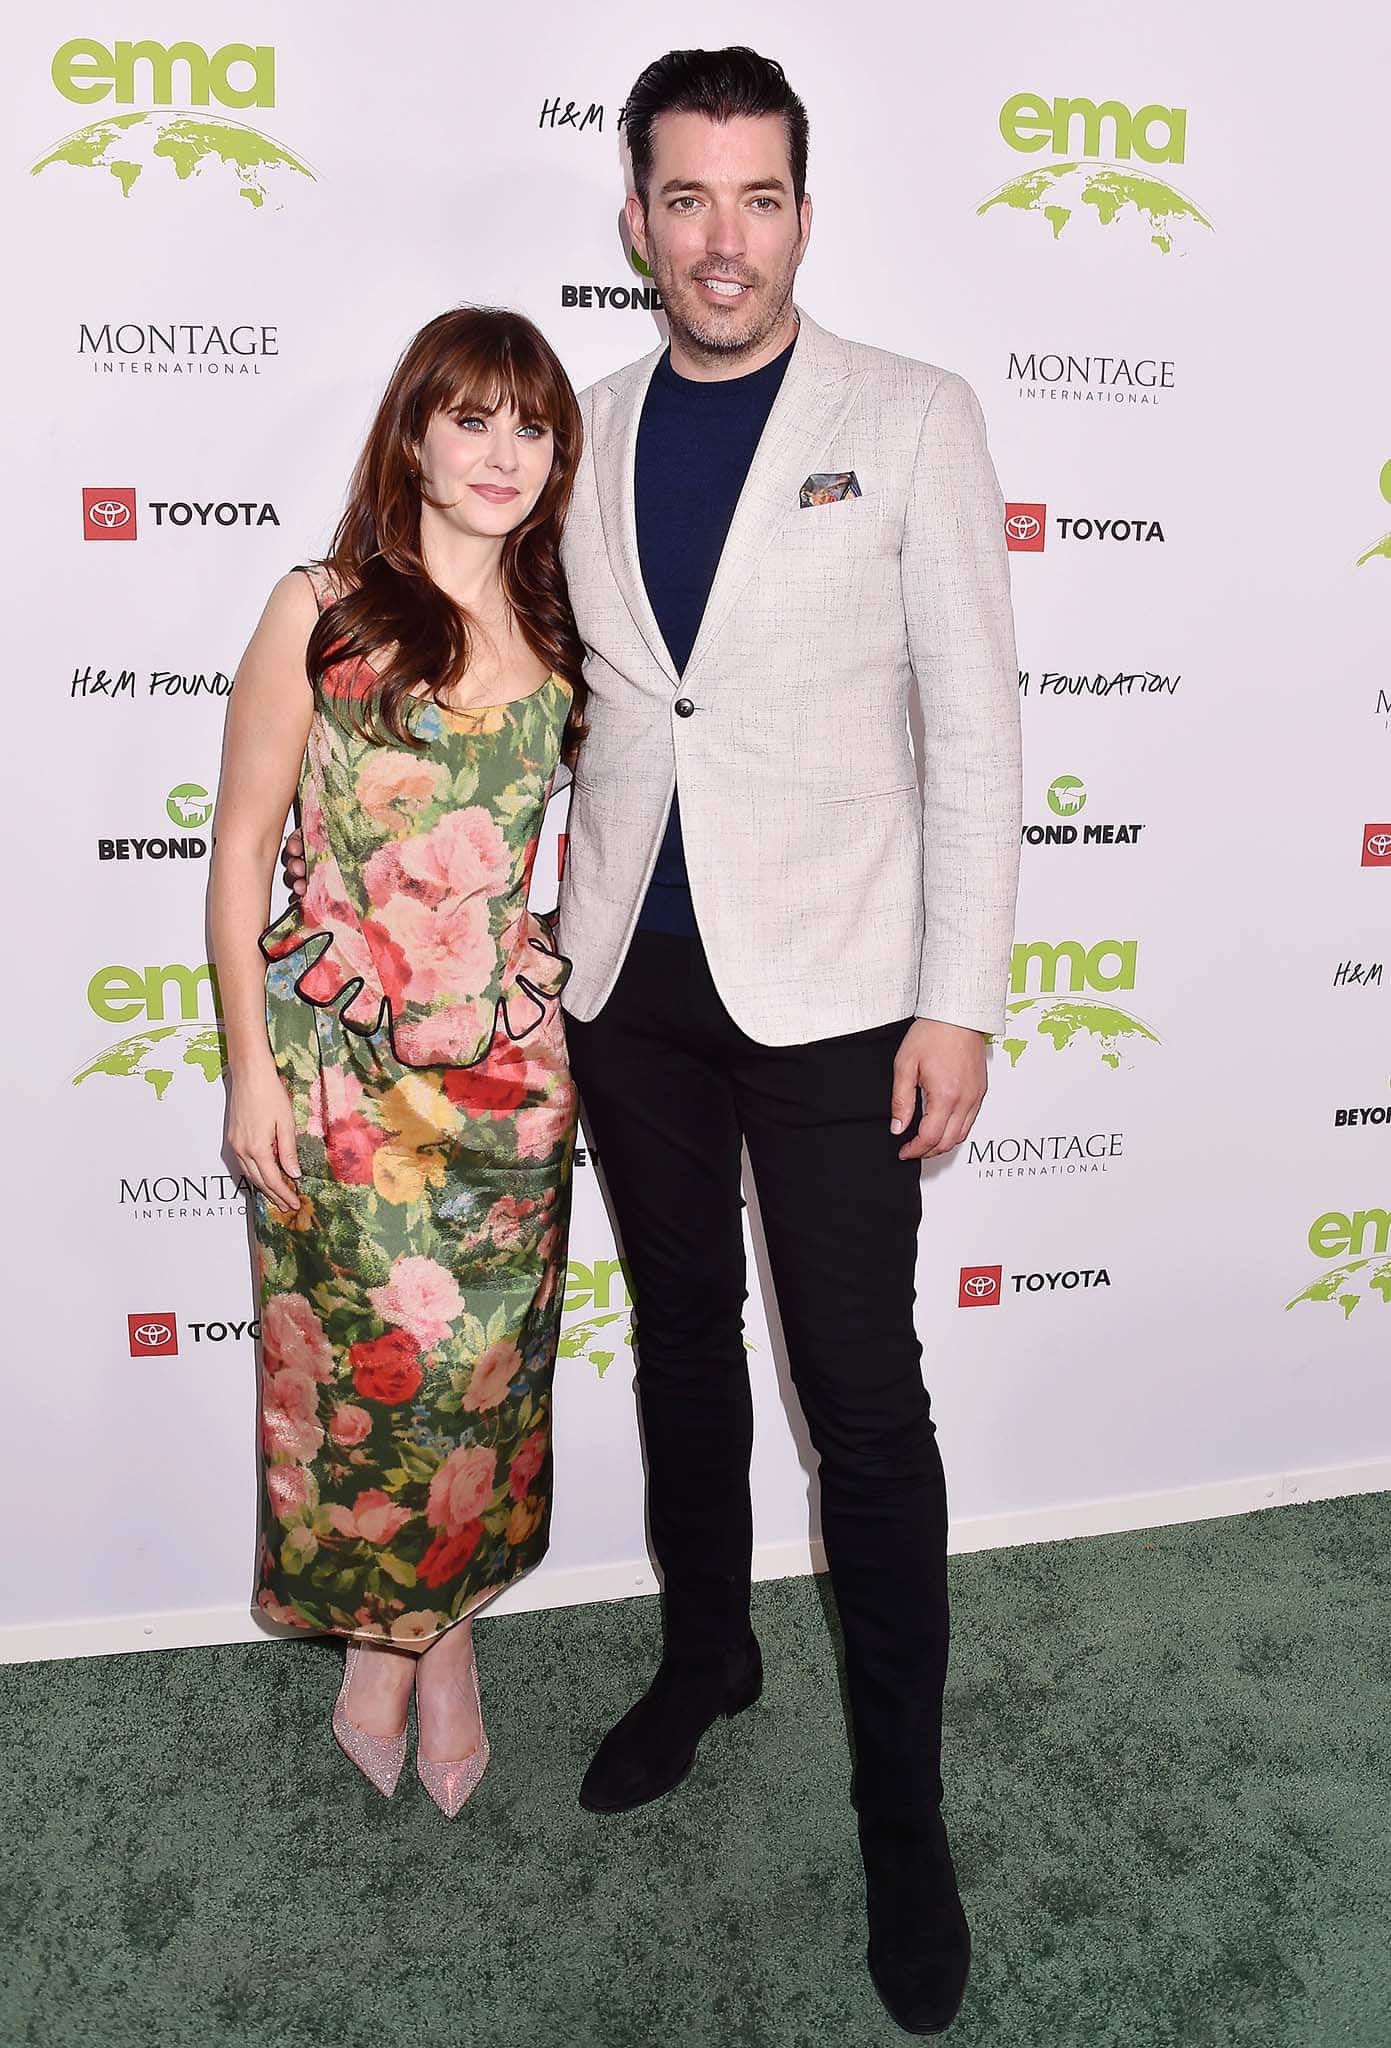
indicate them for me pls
(479, 358)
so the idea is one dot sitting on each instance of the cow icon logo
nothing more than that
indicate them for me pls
(153, 1336)
(108, 514)
(1066, 796)
(980, 1287)
(1376, 846)
(188, 806)
(1024, 528)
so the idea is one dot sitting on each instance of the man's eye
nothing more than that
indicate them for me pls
(683, 204)
(770, 205)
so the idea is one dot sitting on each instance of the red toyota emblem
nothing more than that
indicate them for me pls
(1376, 846)
(980, 1287)
(154, 1336)
(108, 514)
(1025, 528)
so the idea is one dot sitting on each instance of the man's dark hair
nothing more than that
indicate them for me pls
(721, 84)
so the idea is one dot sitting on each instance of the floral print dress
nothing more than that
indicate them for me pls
(410, 1307)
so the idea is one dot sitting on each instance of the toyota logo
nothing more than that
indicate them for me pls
(150, 1334)
(1022, 526)
(979, 1286)
(108, 512)
(1379, 844)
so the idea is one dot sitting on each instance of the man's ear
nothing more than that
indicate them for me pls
(637, 224)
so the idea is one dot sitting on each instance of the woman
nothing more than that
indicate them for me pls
(399, 1095)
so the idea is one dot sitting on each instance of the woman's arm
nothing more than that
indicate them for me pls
(268, 720)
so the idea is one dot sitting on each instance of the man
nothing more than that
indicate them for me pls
(778, 541)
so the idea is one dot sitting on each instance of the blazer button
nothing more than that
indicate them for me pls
(684, 707)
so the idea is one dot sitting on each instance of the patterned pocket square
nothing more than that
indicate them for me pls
(829, 486)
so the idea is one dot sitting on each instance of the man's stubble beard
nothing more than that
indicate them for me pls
(715, 342)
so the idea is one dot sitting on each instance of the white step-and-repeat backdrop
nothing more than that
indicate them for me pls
(1157, 1282)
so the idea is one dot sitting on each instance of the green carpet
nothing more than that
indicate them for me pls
(1169, 1773)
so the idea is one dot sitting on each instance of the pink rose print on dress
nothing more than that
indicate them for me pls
(293, 1340)
(508, 1222)
(291, 1489)
(349, 1425)
(542, 1129)
(373, 1517)
(276, 1610)
(392, 787)
(422, 1296)
(325, 898)
(530, 1457)
(464, 855)
(445, 950)
(492, 1376)
(332, 1099)
(454, 1033)
(311, 820)
(462, 1488)
(290, 1426)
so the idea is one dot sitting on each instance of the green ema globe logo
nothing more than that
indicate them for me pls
(188, 806)
(1066, 796)
(1380, 547)
(1085, 191)
(1074, 1010)
(160, 1057)
(165, 142)
(1365, 1276)
(167, 1050)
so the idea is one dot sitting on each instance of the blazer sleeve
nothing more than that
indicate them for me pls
(955, 571)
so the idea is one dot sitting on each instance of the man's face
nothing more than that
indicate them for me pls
(722, 233)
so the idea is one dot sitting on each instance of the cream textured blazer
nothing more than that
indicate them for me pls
(838, 882)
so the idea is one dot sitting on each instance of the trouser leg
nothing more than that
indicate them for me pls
(652, 1069)
(840, 1213)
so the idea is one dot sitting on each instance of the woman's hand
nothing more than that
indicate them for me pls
(261, 1132)
(292, 865)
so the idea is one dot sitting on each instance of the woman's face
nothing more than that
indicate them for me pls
(484, 471)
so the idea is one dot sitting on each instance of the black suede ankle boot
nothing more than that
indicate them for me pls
(919, 1943)
(654, 1746)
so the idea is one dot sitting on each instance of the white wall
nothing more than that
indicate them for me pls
(1186, 1385)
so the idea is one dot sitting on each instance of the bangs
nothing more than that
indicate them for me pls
(493, 368)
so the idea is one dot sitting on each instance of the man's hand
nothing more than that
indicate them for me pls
(292, 863)
(947, 1062)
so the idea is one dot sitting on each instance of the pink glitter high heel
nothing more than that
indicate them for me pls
(449, 1784)
(379, 1761)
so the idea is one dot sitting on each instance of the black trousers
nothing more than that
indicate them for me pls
(671, 1087)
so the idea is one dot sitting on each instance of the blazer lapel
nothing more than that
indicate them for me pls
(815, 393)
(617, 413)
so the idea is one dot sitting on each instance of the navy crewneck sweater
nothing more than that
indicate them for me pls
(695, 444)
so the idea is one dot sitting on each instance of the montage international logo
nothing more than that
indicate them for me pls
(1063, 1004)
(166, 132)
(1360, 1243)
(1380, 549)
(180, 1043)
(1095, 181)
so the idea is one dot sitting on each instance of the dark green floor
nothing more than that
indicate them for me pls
(1169, 1769)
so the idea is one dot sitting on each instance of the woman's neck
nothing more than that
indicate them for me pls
(466, 566)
